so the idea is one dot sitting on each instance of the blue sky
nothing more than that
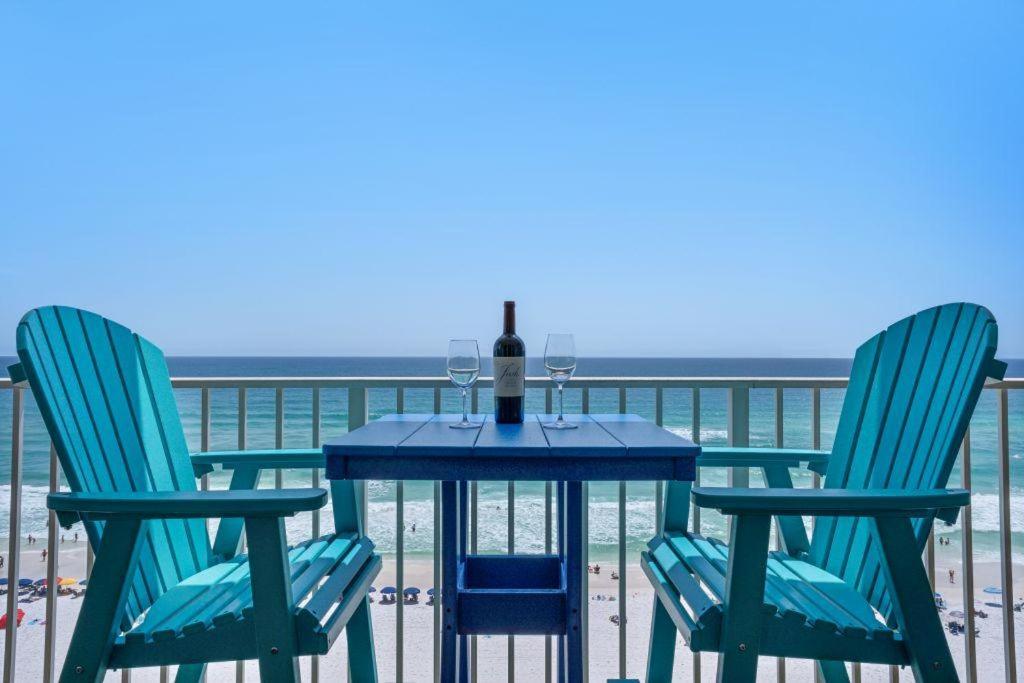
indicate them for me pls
(743, 180)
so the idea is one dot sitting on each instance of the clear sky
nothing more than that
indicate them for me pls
(367, 178)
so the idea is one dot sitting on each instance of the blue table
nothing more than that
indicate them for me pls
(511, 594)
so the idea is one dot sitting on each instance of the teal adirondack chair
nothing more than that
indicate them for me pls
(911, 394)
(159, 594)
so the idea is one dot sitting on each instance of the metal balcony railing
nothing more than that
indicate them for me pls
(738, 421)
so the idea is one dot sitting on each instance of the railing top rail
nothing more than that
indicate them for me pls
(592, 382)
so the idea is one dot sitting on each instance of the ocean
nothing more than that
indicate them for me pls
(529, 498)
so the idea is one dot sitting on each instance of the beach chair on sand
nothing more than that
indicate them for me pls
(912, 390)
(159, 593)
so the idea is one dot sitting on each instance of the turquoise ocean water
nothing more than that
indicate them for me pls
(529, 498)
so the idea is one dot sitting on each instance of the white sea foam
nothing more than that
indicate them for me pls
(492, 534)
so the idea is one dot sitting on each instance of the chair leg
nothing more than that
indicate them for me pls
(103, 607)
(272, 604)
(190, 673)
(744, 597)
(832, 671)
(913, 601)
(662, 650)
(362, 661)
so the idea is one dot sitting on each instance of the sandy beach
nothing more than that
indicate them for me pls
(529, 662)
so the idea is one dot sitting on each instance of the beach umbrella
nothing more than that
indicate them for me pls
(24, 582)
(82, 582)
(388, 590)
(373, 589)
(67, 582)
(430, 592)
(412, 590)
(3, 582)
(40, 582)
(993, 590)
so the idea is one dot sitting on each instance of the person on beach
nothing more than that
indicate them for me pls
(31, 540)
(44, 554)
(1, 561)
(76, 536)
(952, 576)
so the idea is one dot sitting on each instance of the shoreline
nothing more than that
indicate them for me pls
(603, 595)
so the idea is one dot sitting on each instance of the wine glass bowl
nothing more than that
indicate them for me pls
(463, 370)
(560, 364)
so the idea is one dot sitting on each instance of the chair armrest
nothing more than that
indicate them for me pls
(285, 458)
(727, 456)
(70, 507)
(943, 503)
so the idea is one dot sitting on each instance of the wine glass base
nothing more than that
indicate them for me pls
(465, 425)
(559, 425)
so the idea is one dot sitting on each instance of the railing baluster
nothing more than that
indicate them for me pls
(474, 521)
(622, 559)
(243, 426)
(437, 578)
(279, 432)
(1005, 535)
(659, 486)
(780, 438)
(52, 563)
(548, 518)
(400, 580)
(695, 434)
(585, 526)
(14, 531)
(314, 661)
(967, 561)
(511, 550)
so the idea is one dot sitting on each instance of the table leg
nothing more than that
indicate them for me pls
(573, 664)
(449, 569)
(463, 546)
(560, 527)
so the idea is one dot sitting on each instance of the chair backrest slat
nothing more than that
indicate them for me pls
(106, 398)
(912, 391)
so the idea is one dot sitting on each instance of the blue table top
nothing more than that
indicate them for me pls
(604, 447)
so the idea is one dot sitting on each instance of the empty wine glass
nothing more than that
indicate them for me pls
(463, 369)
(560, 362)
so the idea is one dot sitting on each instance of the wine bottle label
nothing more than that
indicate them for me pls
(509, 376)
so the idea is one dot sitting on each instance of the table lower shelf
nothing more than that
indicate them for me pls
(511, 595)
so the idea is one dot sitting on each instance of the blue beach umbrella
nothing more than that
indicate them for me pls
(388, 590)
(412, 590)
(3, 582)
(82, 582)
(24, 582)
(430, 592)
(373, 589)
(39, 582)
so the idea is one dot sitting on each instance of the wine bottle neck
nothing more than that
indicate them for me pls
(510, 317)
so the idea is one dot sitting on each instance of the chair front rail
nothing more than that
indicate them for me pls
(737, 389)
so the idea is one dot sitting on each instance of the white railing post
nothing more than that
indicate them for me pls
(967, 560)
(14, 531)
(243, 424)
(358, 415)
(1005, 536)
(50, 633)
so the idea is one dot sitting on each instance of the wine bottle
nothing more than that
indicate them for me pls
(509, 371)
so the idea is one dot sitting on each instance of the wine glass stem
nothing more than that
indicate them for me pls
(560, 418)
(465, 417)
